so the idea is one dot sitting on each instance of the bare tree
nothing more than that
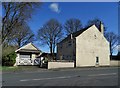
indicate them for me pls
(110, 36)
(113, 40)
(72, 25)
(97, 22)
(22, 35)
(50, 34)
(14, 13)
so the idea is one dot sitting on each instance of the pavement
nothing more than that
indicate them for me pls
(100, 76)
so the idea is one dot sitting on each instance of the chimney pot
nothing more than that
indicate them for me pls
(71, 36)
(101, 27)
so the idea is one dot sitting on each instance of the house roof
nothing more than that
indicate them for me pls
(46, 55)
(76, 33)
(29, 48)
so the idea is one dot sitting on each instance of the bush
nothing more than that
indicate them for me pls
(8, 55)
(9, 60)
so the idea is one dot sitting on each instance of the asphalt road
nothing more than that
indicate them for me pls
(103, 76)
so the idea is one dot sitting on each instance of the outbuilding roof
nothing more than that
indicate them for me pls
(29, 48)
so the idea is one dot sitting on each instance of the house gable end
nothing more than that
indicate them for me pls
(95, 30)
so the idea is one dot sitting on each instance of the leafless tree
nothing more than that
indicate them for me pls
(113, 40)
(97, 22)
(14, 13)
(50, 34)
(21, 35)
(72, 25)
(110, 36)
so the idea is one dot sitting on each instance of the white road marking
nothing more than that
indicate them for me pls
(103, 74)
(62, 77)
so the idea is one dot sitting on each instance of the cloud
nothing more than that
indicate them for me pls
(54, 7)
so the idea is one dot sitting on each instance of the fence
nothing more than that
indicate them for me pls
(27, 61)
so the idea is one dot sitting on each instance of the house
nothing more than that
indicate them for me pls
(27, 54)
(87, 47)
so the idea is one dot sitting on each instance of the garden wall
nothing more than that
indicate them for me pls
(115, 63)
(52, 65)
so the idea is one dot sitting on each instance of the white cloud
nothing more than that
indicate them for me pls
(54, 7)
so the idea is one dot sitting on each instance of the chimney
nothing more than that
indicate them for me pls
(101, 27)
(71, 36)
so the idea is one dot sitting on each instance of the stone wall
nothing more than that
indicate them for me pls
(53, 65)
(114, 63)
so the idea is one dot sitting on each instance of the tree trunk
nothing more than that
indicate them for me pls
(110, 50)
(51, 51)
(19, 44)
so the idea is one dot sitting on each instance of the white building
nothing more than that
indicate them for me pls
(27, 54)
(87, 47)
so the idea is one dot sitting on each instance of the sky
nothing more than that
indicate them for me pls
(107, 12)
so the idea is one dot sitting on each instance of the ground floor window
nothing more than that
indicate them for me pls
(97, 60)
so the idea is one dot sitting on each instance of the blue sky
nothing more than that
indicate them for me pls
(105, 11)
(84, 11)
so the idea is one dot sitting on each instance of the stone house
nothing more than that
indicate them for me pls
(87, 47)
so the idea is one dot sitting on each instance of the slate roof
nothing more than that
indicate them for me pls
(75, 34)
(46, 54)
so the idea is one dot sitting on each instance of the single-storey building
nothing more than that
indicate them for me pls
(87, 47)
(27, 54)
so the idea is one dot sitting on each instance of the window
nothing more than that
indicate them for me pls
(60, 45)
(69, 43)
(97, 60)
(95, 36)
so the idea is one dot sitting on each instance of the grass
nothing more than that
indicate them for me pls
(6, 68)
(18, 68)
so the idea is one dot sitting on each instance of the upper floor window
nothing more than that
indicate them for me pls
(95, 36)
(69, 43)
(60, 45)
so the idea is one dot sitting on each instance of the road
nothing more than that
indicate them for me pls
(102, 76)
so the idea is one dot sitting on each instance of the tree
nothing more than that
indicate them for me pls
(72, 25)
(113, 40)
(14, 13)
(110, 36)
(50, 34)
(22, 35)
(97, 23)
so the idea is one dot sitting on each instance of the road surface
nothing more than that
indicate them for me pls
(102, 76)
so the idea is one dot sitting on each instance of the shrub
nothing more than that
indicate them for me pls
(8, 55)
